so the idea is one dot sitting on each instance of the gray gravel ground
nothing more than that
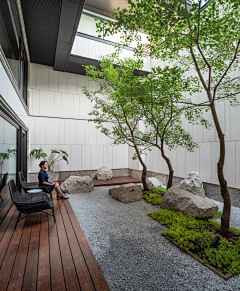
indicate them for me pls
(131, 252)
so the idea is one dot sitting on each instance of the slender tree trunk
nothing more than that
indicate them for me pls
(144, 175)
(225, 220)
(144, 171)
(170, 168)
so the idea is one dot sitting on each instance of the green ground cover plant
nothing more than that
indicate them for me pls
(155, 197)
(196, 236)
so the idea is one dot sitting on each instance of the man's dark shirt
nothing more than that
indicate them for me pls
(42, 177)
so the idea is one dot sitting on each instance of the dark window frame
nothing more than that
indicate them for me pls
(22, 136)
(21, 152)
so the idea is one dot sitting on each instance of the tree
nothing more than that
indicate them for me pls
(166, 87)
(116, 82)
(132, 99)
(204, 39)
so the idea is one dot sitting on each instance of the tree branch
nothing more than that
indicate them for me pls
(224, 74)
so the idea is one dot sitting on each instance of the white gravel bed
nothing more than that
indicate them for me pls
(132, 253)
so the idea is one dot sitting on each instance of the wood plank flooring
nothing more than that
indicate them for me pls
(116, 181)
(5, 204)
(43, 255)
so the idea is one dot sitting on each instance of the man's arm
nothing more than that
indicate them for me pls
(51, 183)
(47, 183)
(41, 178)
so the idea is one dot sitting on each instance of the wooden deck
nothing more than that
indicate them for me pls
(5, 204)
(42, 255)
(116, 181)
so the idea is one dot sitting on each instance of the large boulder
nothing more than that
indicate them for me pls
(193, 184)
(104, 173)
(153, 182)
(188, 203)
(76, 184)
(127, 193)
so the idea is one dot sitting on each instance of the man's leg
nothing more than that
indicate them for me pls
(59, 192)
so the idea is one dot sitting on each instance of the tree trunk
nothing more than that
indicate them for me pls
(144, 181)
(225, 220)
(144, 171)
(170, 168)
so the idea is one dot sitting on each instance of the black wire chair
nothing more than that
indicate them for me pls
(29, 203)
(26, 187)
(3, 183)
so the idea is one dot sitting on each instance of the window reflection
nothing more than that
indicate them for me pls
(7, 149)
(8, 39)
(87, 25)
(12, 45)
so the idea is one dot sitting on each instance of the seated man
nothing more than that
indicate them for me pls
(43, 181)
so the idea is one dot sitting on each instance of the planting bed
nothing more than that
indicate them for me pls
(195, 236)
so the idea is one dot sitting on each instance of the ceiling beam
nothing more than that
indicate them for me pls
(71, 11)
(80, 61)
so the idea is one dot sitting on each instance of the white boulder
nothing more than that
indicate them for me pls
(188, 203)
(76, 184)
(193, 184)
(153, 182)
(104, 173)
(127, 193)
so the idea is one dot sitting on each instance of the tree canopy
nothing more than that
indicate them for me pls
(113, 111)
(154, 100)
(202, 38)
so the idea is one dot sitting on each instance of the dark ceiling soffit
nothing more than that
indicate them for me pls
(69, 19)
(83, 61)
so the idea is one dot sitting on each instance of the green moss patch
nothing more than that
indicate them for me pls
(196, 235)
(155, 197)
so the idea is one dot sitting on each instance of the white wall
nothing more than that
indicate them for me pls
(59, 95)
(92, 49)
(59, 120)
(204, 159)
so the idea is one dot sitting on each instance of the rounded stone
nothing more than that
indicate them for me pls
(189, 204)
(193, 184)
(104, 173)
(76, 184)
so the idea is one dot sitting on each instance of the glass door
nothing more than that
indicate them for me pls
(7, 149)
(8, 158)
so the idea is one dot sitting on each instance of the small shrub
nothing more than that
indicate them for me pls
(154, 197)
(158, 190)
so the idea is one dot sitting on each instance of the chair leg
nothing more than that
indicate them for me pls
(19, 215)
(53, 215)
